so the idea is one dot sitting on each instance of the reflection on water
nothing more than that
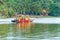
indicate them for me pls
(29, 31)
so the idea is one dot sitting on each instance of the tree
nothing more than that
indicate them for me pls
(34, 7)
(3, 8)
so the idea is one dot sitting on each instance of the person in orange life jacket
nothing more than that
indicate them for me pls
(21, 20)
(25, 20)
(28, 19)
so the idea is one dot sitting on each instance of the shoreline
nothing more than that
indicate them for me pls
(35, 20)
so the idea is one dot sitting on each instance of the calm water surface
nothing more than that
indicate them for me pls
(31, 32)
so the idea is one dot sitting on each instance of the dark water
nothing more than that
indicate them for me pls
(32, 32)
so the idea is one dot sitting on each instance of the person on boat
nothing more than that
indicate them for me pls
(18, 18)
(24, 19)
(21, 20)
(28, 19)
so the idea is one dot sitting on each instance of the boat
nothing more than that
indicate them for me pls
(17, 20)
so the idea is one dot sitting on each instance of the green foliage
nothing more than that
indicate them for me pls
(55, 10)
(32, 6)
(3, 9)
(10, 12)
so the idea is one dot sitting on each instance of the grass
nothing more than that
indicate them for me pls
(32, 16)
(3, 17)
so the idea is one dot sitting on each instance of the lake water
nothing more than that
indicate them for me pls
(31, 32)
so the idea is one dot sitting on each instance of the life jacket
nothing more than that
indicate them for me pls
(20, 20)
(27, 20)
(24, 20)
